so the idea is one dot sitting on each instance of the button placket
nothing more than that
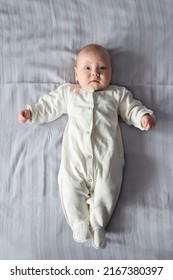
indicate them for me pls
(89, 150)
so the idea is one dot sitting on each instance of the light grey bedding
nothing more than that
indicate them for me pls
(38, 42)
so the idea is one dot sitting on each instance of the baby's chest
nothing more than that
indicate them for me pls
(92, 106)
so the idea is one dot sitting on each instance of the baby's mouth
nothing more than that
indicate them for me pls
(95, 81)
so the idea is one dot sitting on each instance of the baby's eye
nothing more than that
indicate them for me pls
(102, 67)
(87, 68)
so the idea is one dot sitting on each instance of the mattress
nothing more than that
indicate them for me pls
(38, 43)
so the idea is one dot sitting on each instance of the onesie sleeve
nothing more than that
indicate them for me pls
(50, 107)
(131, 110)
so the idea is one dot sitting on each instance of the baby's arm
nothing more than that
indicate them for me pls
(25, 115)
(147, 121)
(48, 108)
(133, 112)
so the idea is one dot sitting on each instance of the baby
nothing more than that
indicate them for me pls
(90, 174)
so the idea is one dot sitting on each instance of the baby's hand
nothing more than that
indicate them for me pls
(25, 115)
(147, 122)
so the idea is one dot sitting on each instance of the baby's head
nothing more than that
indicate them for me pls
(93, 67)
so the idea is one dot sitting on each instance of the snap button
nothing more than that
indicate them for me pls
(90, 156)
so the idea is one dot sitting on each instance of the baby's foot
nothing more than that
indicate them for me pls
(81, 232)
(99, 240)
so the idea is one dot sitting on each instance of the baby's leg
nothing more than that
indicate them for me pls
(81, 232)
(73, 198)
(102, 203)
(99, 239)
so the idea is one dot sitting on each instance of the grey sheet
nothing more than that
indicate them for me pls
(38, 42)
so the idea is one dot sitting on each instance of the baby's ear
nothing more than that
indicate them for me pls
(76, 73)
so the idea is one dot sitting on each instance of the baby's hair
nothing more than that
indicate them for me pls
(94, 48)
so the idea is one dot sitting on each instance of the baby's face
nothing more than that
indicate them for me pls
(93, 69)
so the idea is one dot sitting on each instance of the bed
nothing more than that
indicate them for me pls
(38, 43)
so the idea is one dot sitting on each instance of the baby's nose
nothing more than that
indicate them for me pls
(95, 72)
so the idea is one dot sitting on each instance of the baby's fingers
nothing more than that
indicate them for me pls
(148, 124)
(24, 116)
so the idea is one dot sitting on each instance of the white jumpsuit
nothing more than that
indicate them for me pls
(92, 153)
